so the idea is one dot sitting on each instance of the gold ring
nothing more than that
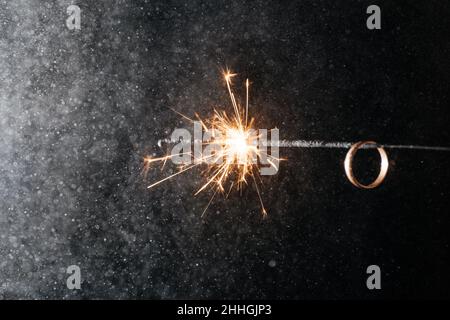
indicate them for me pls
(349, 161)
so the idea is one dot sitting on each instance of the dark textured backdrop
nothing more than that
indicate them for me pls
(80, 109)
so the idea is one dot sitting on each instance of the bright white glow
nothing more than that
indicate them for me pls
(237, 145)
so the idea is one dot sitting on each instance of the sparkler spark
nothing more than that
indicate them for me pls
(235, 159)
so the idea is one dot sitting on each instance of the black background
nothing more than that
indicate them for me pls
(317, 72)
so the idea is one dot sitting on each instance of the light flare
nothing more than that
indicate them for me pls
(237, 155)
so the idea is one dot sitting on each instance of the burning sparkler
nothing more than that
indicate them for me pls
(235, 153)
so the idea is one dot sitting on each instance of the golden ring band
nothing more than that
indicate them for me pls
(348, 165)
